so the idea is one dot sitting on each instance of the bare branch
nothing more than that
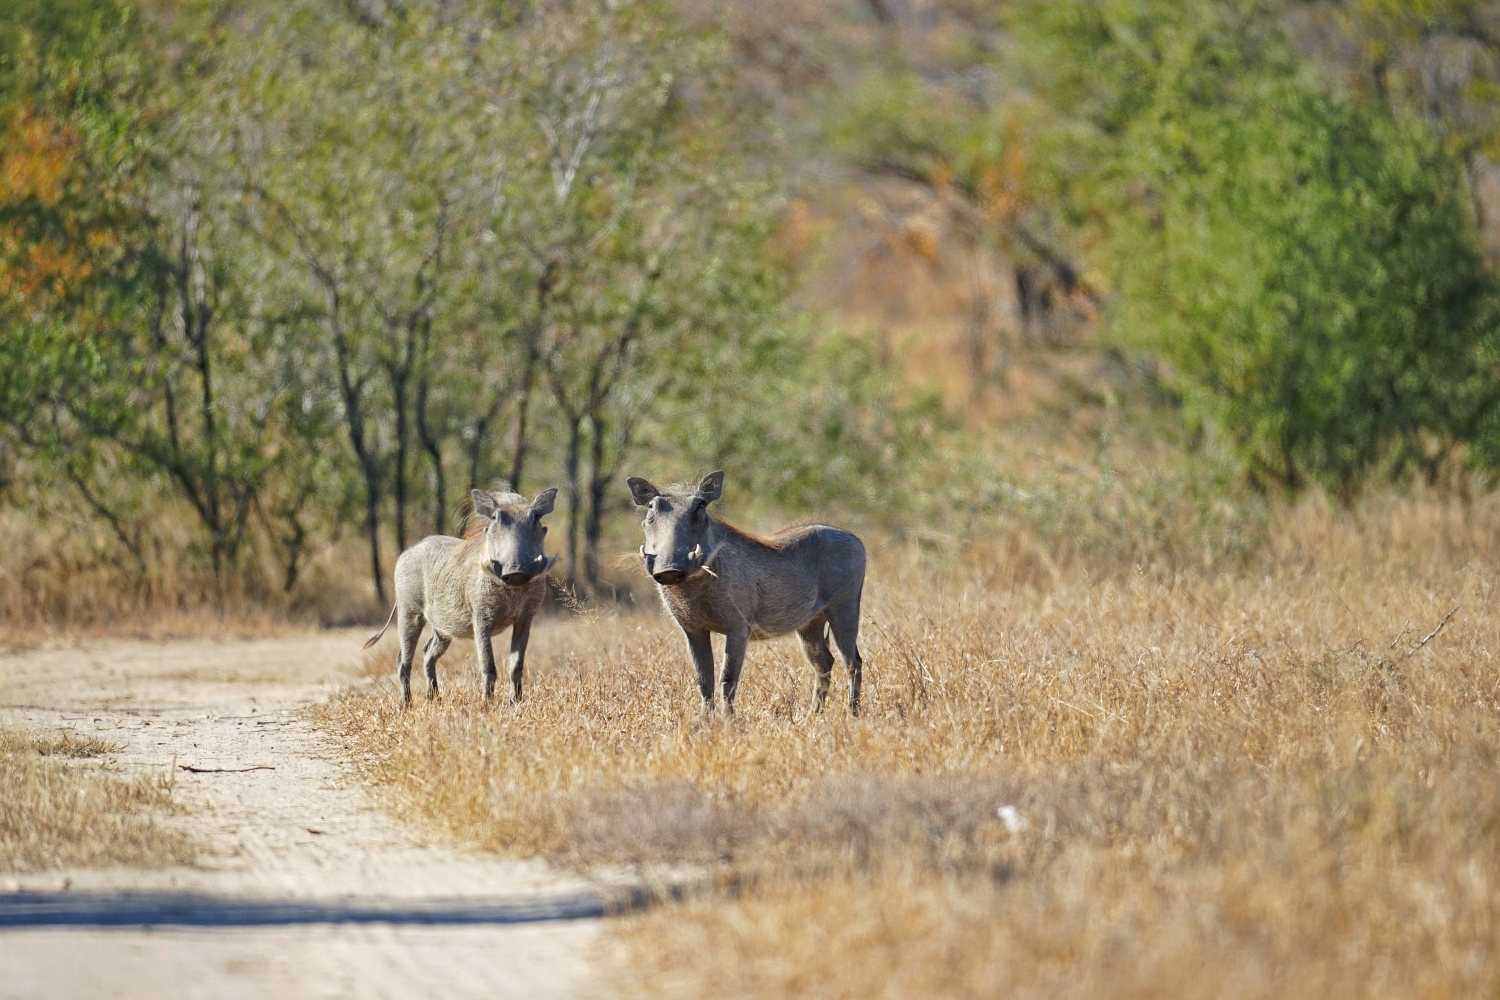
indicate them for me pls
(1430, 635)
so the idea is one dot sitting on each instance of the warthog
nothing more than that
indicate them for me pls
(713, 577)
(492, 577)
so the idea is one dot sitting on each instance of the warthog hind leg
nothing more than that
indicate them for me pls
(734, 659)
(814, 636)
(843, 621)
(408, 629)
(437, 645)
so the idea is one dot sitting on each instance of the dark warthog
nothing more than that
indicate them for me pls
(492, 577)
(713, 577)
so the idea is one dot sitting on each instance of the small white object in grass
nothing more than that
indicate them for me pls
(1012, 818)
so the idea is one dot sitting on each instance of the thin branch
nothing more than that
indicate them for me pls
(100, 508)
(1404, 625)
(1430, 635)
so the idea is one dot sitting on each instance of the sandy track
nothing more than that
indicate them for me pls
(307, 889)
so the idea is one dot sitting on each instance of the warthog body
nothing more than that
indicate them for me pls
(492, 578)
(713, 577)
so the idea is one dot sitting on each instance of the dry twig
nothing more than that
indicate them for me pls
(1404, 626)
(1428, 637)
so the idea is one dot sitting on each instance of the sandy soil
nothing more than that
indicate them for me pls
(306, 889)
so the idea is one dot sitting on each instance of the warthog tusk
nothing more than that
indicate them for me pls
(697, 554)
(708, 564)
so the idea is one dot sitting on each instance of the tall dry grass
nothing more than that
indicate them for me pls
(67, 572)
(1083, 782)
(58, 809)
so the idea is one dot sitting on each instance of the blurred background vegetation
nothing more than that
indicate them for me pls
(1111, 278)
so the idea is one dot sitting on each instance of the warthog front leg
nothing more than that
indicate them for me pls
(814, 636)
(486, 654)
(408, 629)
(701, 649)
(520, 634)
(436, 647)
(734, 658)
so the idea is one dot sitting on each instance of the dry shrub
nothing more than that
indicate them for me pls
(59, 813)
(68, 572)
(68, 743)
(1256, 782)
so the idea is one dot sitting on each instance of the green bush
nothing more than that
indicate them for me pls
(1305, 261)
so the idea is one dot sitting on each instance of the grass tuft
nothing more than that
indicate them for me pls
(64, 813)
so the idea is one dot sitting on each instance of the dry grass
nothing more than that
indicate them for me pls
(67, 574)
(60, 812)
(1249, 783)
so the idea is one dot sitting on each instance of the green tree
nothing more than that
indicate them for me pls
(360, 151)
(325, 260)
(140, 370)
(1304, 260)
(34, 33)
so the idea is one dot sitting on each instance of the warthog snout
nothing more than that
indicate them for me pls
(668, 572)
(520, 576)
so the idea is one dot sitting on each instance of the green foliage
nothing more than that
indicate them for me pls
(66, 32)
(900, 124)
(1306, 262)
(327, 263)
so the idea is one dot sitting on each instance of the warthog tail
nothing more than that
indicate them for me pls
(376, 637)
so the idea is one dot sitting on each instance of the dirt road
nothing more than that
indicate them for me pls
(307, 890)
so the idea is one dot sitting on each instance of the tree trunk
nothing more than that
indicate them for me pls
(355, 424)
(598, 487)
(434, 449)
(544, 285)
(197, 315)
(294, 546)
(480, 431)
(523, 409)
(403, 432)
(199, 485)
(372, 531)
(570, 470)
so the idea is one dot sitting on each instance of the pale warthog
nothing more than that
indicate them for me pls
(713, 577)
(492, 577)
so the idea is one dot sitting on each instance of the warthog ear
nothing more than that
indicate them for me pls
(542, 505)
(711, 486)
(484, 504)
(642, 491)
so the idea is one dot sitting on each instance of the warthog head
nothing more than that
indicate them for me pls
(513, 532)
(678, 529)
